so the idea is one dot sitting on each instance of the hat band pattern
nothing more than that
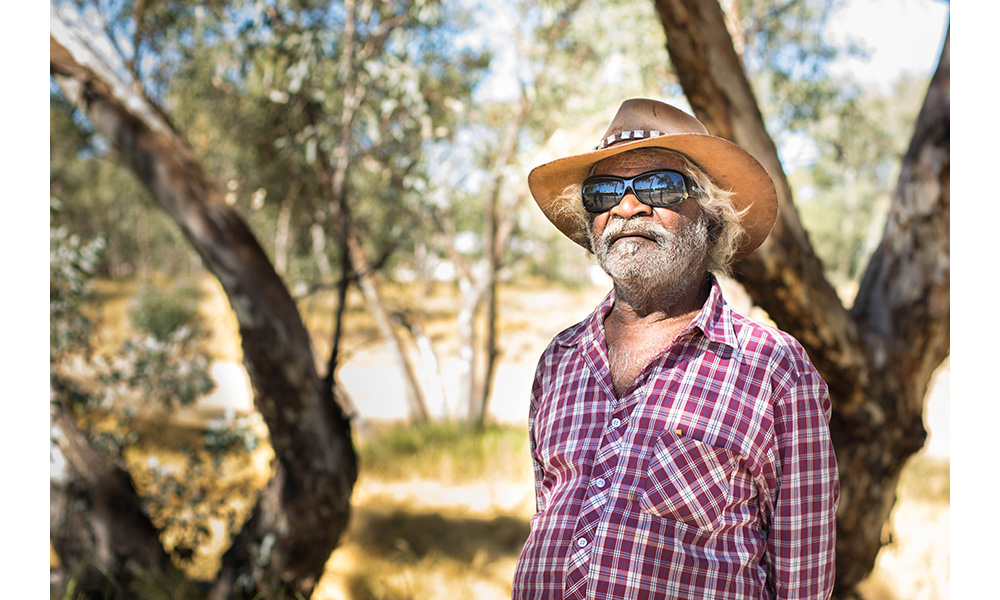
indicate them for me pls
(638, 134)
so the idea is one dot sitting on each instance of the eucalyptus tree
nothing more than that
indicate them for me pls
(354, 128)
(354, 92)
(879, 355)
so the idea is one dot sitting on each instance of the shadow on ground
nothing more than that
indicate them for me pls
(407, 535)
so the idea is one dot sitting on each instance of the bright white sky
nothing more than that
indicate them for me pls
(902, 36)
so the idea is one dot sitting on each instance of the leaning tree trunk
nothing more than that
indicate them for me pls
(304, 508)
(879, 356)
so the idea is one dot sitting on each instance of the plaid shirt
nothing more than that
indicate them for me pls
(713, 476)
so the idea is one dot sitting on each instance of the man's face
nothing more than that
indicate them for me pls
(659, 246)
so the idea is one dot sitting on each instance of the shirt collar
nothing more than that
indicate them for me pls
(714, 320)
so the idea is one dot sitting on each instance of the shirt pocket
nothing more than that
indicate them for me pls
(687, 481)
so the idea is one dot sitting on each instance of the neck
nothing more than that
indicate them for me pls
(645, 303)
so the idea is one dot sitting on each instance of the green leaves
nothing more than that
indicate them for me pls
(71, 265)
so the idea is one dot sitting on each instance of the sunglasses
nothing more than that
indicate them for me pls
(660, 188)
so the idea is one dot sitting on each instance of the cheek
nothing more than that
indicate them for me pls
(597, 224)
(674, 219)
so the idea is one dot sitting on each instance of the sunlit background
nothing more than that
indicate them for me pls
(439, 512)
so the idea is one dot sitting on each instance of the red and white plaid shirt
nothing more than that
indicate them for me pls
(713, 476)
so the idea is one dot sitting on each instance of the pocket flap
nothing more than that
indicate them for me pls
(688, 481)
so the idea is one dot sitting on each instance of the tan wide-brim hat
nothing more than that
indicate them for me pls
(644, 123)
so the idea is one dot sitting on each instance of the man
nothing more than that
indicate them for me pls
(680, 449)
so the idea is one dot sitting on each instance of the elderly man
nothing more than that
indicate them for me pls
(680, 449)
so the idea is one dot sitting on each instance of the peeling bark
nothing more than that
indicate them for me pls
(879, 356)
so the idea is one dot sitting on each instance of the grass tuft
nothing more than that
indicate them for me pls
(444, 451)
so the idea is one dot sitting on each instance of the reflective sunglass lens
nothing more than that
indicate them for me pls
(663, 188)
(602, 194)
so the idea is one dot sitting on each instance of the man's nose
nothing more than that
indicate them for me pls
(629, 206)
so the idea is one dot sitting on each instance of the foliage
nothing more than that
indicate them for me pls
(164, 365)
(787, 56)
(165, 313)
(195, 483)
(844, 195)
(71, 264)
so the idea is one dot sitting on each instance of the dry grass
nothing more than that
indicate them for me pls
(444, 521)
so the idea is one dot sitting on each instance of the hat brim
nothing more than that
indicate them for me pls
(729, 166)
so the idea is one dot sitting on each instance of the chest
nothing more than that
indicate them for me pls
(628, 354)
(703, 389)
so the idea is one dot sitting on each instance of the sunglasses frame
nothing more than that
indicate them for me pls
(690, 189)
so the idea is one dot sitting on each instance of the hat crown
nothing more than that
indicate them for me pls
(641, 118)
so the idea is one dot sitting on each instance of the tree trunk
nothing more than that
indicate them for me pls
(304, 509)
(879, 356)
(282, 235)
(99, 527)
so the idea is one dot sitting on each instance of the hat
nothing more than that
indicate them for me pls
(645, 123)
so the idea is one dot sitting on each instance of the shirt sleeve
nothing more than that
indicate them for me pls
(536, 393)
(802, 537)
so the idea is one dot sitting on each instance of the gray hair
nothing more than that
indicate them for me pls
(725, 231)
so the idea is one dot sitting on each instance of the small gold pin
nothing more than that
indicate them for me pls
(679, 431)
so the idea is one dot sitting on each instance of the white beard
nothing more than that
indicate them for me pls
(664, 268)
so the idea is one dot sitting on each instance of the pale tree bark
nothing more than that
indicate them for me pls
(478, 281)
(282, 236)
(879, 356)
(304, 509)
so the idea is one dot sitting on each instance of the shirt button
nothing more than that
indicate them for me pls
(599, 482)
(616, 422)
(581, 542)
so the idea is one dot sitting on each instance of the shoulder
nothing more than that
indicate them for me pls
(564, 343)
(763, 342)
(779, 359)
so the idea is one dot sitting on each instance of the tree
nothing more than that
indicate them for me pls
(556, 53)
(877, 356)
(303, 511)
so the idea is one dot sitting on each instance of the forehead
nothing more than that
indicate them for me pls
(639, 161)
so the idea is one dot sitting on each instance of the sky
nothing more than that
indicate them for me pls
(903, 35)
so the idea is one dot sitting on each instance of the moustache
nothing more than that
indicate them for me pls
(618, 228)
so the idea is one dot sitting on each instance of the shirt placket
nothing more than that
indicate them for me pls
(595, 500)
